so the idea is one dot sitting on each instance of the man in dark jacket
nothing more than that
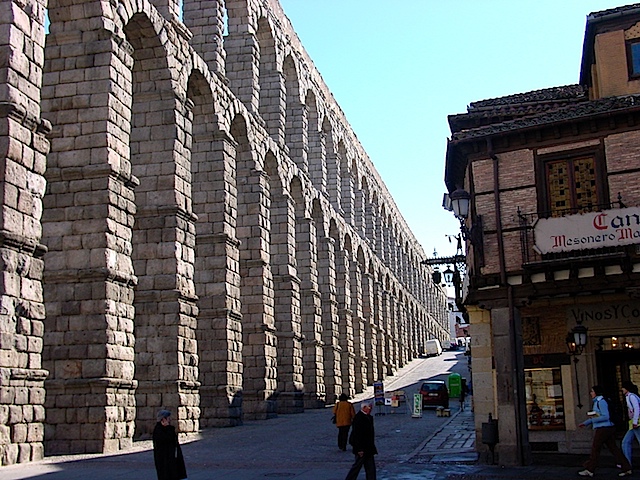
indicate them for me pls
(362, 440)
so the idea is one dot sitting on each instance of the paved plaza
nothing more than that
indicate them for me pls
(304, 447)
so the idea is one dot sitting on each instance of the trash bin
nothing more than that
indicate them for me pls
(455, 384)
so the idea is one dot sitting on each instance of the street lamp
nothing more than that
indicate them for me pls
(436, 276)
(449, 274)
(459, 201)
(452, 275)
(576, 342)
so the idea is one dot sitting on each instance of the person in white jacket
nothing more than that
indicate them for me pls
(630, 392)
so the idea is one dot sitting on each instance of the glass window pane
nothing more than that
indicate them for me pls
(635, 58)
(545, 399)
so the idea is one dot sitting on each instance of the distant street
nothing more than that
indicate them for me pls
(302, 446)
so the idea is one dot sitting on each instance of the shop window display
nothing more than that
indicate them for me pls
(545, 402)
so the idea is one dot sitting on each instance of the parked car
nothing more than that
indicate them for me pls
(434, 394)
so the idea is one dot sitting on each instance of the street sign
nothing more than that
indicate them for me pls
(378, 393)
(417, 405)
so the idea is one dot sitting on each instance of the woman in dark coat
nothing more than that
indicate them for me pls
(167, 454)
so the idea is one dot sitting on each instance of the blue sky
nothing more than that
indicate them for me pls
(398, 68)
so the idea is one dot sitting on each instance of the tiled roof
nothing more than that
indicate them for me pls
(621, 10)
(547, 95)
(498, 110)
(571, 112)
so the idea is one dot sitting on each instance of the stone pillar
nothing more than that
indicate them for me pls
(396, 330)
(333, 174)
(358, 327)
(513, 448)
(347, 194)
(272, 97)
(379, 320)
(259, 351)
(87, 222)
(386, 334)
(318, 160)
(371, 333)
(164, 233)
(311, 309)
(217, 279)
(360, 208)
(330, 332)
(345, 323)
(287, 303)
(169, 9)
(205, 20)
(297, 128)
(242, 67)
(23, 150)
(371, 220)
(379, 239)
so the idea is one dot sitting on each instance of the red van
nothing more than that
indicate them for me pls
(434, 394)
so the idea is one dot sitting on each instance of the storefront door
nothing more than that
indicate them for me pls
(615, 367)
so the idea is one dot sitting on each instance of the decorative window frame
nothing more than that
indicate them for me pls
(544, 195)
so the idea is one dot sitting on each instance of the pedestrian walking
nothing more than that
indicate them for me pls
(343, 412)
(630, 392)
(463, 393)
(167, 454)
(362, 439)
(604, 433)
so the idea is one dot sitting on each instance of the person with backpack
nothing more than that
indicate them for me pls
(604, 433)
(630, 392)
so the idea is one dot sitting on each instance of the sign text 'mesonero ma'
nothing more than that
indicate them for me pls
(588, 230)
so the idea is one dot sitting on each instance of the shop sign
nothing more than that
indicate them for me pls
(629, 311)
(546, 360)
(586, 231)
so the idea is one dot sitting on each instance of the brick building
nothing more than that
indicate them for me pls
(188, 222)
(552, 240)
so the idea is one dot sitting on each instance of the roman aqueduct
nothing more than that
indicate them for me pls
(188, 221)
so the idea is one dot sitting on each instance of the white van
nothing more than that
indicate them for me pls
(433, 348)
